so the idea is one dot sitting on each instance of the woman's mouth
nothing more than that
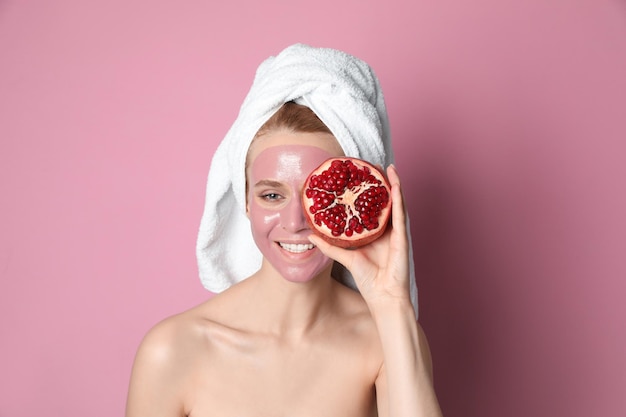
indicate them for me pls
(296, 247)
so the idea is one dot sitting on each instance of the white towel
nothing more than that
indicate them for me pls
(344, 93)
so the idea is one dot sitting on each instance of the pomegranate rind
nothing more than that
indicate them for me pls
(351, 193)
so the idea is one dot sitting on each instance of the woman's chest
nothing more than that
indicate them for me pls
(310, 381)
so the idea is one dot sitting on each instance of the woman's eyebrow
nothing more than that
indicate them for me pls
(268, 183)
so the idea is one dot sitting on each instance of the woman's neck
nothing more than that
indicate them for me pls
(289, 309)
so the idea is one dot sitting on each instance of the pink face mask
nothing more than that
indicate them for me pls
(275, 180)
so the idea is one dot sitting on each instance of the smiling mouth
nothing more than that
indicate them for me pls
(296, 247)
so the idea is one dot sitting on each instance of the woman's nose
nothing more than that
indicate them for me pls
(293, 217)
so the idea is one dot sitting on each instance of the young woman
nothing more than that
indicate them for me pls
(290, 340)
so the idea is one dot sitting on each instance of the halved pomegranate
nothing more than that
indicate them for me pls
(347, 202)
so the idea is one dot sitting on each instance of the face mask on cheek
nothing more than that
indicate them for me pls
(277, 222)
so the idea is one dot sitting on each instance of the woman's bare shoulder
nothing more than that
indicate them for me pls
(166, 340)
(351, 303)
(176, 337)
(352, 316)
(169, 354)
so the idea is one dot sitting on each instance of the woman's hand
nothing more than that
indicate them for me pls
(381, 268)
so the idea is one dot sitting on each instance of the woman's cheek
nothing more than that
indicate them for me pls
(262, 220)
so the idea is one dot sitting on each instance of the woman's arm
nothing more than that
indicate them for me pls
(155, 388)
(404, 385)
(381, 272)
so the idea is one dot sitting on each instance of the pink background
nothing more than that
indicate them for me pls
(509, 119)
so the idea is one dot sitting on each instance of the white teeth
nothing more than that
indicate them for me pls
(296, 248)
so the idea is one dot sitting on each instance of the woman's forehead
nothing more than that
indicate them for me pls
(287, 162)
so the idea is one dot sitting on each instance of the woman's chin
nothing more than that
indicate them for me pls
(306, 271)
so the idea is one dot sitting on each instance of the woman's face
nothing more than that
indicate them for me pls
(278, 164)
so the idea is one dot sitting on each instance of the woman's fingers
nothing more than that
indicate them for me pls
(398, 211)
(398, 261)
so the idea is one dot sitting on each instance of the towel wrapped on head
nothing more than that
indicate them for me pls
(344, 93)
